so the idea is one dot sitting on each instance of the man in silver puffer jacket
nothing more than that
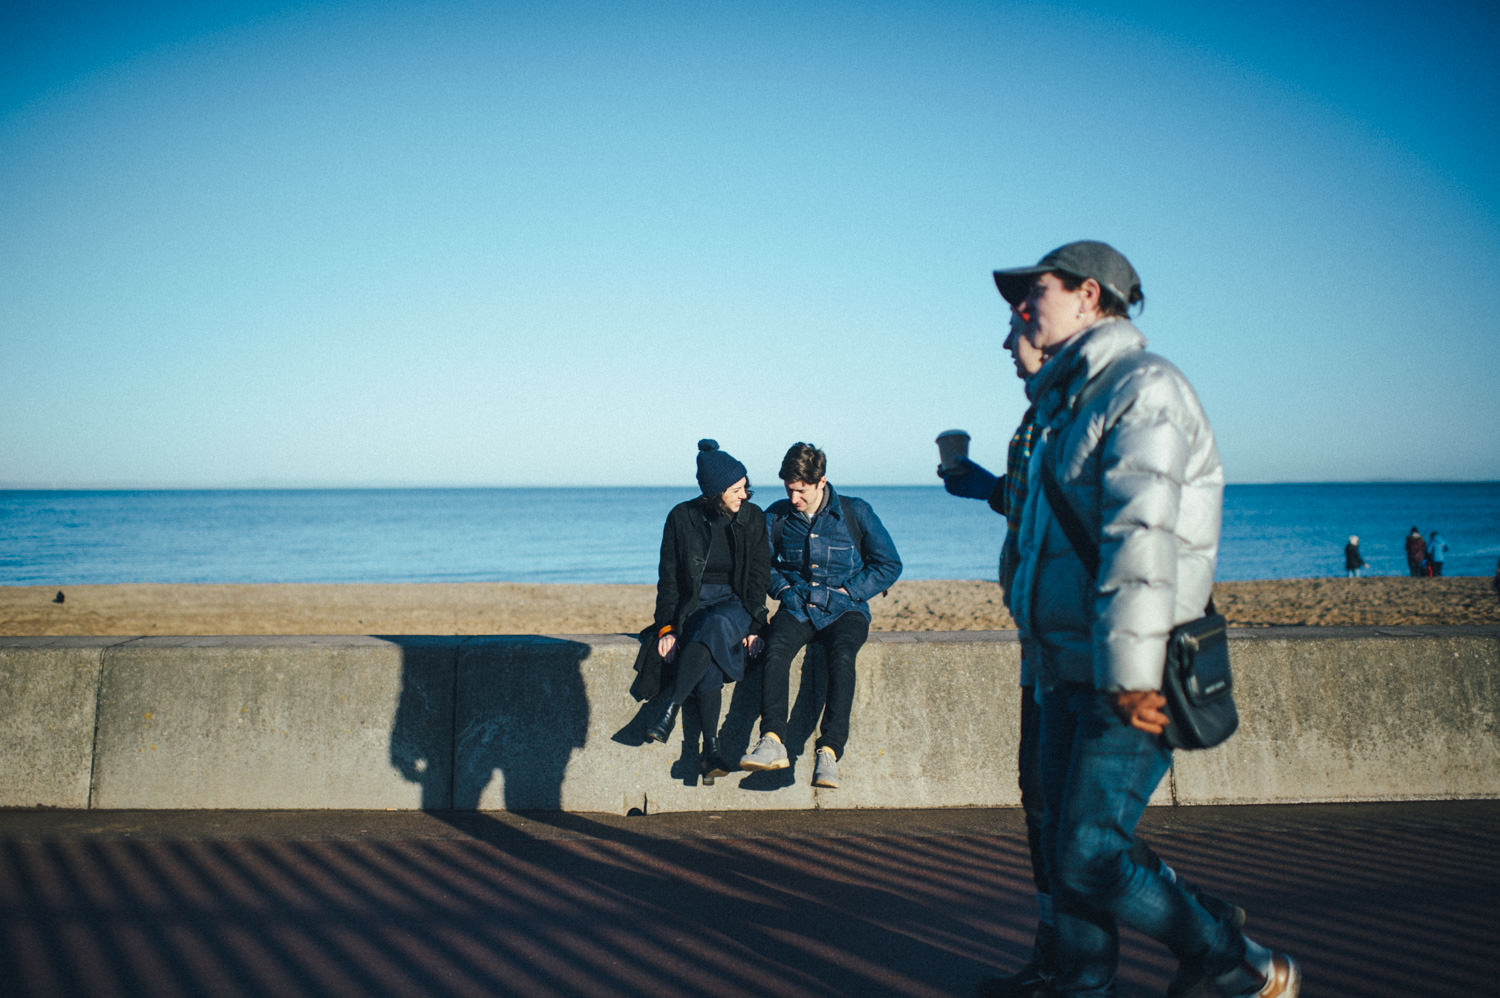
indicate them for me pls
(1133, 453)
(1128, 443)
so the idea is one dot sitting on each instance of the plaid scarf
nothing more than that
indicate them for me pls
(1016, 460)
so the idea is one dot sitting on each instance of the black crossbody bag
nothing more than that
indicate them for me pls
(1196, 681)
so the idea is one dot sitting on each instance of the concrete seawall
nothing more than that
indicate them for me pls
(532, 722)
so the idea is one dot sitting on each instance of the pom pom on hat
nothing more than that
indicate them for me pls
(717, 470)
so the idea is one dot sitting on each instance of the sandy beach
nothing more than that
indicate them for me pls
(515, 608)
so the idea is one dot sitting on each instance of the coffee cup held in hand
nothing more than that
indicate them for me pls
(953, 447)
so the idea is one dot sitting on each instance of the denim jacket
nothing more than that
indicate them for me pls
(811, 562)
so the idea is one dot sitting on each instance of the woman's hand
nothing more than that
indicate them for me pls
(666, 647)
(753, 644)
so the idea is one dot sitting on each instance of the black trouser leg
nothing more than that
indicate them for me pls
(842, 641)
(710, 702)
(784, 638)
(1028, 762)
(693, 663)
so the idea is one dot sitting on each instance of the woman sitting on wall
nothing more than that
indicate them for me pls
(710, 596)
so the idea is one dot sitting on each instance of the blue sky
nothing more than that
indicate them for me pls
(452, 243)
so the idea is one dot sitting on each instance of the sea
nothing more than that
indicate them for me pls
(612, 535)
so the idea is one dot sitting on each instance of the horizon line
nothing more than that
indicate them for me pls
(394, 487)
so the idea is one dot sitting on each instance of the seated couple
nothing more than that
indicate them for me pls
(822, 555)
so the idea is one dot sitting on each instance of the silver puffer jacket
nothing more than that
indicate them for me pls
(1134, 454)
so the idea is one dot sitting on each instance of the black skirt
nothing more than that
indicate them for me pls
(720, 622)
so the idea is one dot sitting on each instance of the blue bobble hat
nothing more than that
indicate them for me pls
(716, 469)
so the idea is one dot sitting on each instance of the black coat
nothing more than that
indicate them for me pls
(679, 577)
(684, 553)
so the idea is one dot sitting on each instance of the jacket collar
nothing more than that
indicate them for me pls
(1057, 385)
(831, 504)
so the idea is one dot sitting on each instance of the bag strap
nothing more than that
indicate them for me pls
(851, 525)
(1083, 544)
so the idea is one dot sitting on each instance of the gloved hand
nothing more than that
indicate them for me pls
(968, 480)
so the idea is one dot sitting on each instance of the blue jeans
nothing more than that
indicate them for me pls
(1097, 775)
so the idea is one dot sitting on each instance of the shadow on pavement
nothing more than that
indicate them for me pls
(1375, 900)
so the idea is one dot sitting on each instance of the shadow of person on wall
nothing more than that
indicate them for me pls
(421, 743)
(470, 708)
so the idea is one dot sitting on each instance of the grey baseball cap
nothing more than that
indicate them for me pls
(1085, 258)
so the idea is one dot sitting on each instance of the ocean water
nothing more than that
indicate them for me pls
(612, 535)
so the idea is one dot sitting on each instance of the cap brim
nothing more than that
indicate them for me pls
(1016, 283)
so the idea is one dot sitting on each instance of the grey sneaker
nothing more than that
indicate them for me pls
(826, 772)
(767, 754)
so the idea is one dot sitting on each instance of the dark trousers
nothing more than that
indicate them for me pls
(1033, 804)
(840, 641)
(698, 676)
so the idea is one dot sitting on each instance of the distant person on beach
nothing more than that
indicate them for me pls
(1007, 496)
(710, 599)
(1495, 582)
(1353, 562)
(1437, 553)
(1416, 554)
(830, 556)
(1131, 453)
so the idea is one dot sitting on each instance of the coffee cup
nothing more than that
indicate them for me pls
(953, 447)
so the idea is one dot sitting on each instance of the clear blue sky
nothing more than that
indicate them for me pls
(449, 243)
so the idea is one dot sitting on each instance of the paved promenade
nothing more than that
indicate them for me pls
(1375, 899)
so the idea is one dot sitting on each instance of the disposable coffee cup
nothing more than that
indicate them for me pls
(953, 447)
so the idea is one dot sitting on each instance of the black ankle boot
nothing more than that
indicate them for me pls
(710, 762)
(661, 729)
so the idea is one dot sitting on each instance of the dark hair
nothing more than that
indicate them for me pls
(715, 503)
(1109, 302)
(803, 463)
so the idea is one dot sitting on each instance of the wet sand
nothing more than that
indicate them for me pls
(517, 608)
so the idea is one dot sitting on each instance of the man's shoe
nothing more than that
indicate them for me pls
(1241, 981)
(826, 772)
(1028, 982)
(767, 754)
(1285, 980)
(661, 730)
